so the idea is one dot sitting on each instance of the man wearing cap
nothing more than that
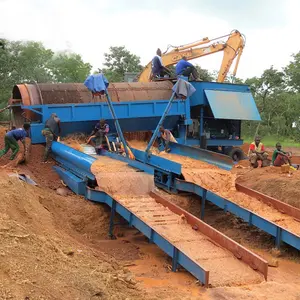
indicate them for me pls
(52, 128)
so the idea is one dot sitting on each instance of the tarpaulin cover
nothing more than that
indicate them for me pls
(232, 105)
(183, 88)
(96, 83)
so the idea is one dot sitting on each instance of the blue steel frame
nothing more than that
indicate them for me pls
(166, 174)
(78, 185)
(84, 112)
(251, 218)
(172, 172)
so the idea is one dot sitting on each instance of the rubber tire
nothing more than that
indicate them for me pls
(236, 154)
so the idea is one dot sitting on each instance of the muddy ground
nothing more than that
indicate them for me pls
(55, 247)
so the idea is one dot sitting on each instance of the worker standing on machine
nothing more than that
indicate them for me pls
(166, 138)
(52, 126)
(257, 152)
(98, 135)
(158, 69)
(11, 140)
(185, 68)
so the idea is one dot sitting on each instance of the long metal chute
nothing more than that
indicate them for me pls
(116, 121)
(154, 136)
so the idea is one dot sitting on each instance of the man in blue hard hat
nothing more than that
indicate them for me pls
(11, 140)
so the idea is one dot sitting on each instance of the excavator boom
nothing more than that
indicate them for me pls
(232, 48)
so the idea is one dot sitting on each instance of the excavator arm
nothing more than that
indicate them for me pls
(232, 48)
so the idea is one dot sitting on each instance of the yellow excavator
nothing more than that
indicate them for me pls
(232, 48)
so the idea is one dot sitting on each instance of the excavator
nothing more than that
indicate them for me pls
(232, 48)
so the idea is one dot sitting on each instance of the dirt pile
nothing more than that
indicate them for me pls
(75, 140)
(39, 260)
(117, 177)
(271, 181)
(245, 148)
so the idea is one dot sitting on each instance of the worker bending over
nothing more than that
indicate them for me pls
(52, 129)
(158, 69)
(185, 68)
(99, 133)
(166, 138)
(11, 140)
(257, 152)
(280, 157)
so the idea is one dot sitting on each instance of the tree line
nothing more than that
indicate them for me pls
(276, 92)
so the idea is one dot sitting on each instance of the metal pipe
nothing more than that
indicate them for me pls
(160, 123)
(76, 158)
(201, 121)
(117, 125)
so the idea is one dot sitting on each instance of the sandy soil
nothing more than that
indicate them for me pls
(42, 266)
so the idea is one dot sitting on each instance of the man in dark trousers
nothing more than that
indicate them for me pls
(99, 132)
(11, 140)
(158, 69)
(185, 68)
(52, 128)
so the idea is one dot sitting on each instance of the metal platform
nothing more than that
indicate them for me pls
(197, 247)
(168, 176)
(133, 116)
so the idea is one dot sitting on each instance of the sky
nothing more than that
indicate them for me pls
(90, 27)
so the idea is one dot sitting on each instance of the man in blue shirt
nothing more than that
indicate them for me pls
(185, 68)
(11, 140)
(158, 69)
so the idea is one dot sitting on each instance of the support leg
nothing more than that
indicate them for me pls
(174, 260)
(278, 238)
(203, 200)
(111, 220)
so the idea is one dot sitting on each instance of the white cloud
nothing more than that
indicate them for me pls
(90, 27)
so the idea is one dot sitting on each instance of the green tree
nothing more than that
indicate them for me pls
(26, 62)
(118, 61)
(68, 67)
(292, 72)
(204, 74)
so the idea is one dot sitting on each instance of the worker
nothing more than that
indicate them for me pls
(99, 133)
(11, 139)
(257, 152)
(185, 68)
(166, 138)
(52, 129)
(158, 69)
(280, 157)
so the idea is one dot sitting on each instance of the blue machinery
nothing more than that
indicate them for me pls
(211, 101)
(210, 118)
(74, 170)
